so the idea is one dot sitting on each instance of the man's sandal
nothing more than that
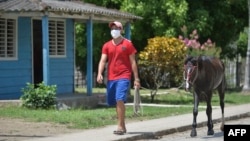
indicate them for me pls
(119, 132)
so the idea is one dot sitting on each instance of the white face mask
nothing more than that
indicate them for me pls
(115, 33)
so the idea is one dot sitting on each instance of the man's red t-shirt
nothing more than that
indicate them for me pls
(119, 65)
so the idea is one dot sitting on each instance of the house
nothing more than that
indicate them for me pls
(37, 42)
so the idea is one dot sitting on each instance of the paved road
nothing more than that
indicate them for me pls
(201, 133)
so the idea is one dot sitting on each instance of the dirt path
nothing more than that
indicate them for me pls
(18, 130)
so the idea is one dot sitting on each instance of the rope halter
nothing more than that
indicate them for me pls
(188, 72)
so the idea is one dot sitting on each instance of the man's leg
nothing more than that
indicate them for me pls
(120, 110)
(122, 88)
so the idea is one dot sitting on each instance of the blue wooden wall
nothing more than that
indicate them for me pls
(14, 74)
(62, 69)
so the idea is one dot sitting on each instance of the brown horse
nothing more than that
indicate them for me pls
(205, 74)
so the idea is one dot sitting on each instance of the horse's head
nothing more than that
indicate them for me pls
(190, 72)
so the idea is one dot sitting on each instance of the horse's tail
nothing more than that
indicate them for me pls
(224, 75)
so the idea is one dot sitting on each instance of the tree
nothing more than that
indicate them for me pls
(246, 87)
(214, 19)
(161, 63)
(211, 19)
(161, 18)
(222, 21)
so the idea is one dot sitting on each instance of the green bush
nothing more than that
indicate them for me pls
(41, 96)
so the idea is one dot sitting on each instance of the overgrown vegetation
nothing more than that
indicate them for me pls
(41, 96)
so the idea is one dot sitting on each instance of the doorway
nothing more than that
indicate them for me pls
(37, 52)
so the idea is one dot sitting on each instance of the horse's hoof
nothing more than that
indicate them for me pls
(211, 132)
(222, 128)
(193, 133)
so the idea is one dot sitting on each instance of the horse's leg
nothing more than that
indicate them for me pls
(221, 91)
(209, 114)
(195, 113)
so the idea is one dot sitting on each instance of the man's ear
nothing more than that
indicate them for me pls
(122, 31)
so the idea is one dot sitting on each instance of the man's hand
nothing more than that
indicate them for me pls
(99, 79)
(137, 83)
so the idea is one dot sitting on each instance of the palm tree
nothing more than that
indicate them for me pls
(246, 87)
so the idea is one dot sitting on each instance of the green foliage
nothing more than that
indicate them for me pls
(220, 20)
(161, 18)
(42, 96)
(242, 43)
(81, 50)
(101, 34)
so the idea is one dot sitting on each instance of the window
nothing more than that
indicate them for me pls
(56, 38)
(8, 46)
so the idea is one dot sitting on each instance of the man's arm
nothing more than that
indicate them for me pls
(101, 67)
(135, 70)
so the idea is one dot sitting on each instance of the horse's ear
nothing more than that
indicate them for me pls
(193, 60)
(188, 58)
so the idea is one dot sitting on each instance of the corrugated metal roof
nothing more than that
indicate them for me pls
(73, 7)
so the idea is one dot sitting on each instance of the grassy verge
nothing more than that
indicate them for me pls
(84, 119)
(102, 116)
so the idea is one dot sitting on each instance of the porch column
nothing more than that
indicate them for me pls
(89, 56)
(128, 31)
(45, 36)
(128, 36)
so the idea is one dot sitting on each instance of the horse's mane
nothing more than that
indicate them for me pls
(198, 60)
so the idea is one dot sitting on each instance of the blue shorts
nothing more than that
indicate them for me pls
(117, 90)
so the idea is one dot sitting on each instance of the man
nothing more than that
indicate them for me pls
(119, 54)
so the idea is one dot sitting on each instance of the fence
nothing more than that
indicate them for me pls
(80, 81)
(235, 72)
